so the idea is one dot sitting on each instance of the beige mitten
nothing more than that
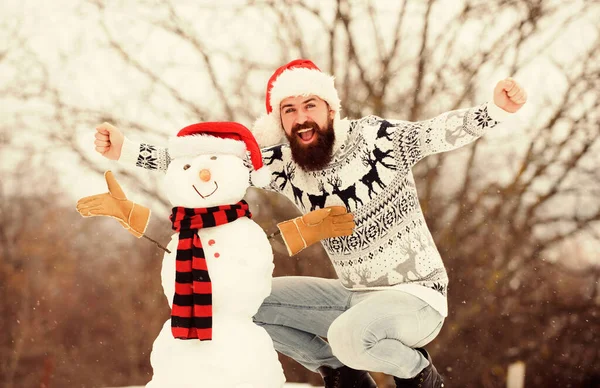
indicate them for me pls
(115, 204)
(301, 232)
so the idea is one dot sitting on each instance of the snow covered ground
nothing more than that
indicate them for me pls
(287, 385)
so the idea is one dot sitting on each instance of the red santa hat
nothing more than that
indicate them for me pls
(221, 138)
(300, 77)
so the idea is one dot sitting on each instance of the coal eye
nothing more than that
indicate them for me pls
(213, 158)
(186, 166)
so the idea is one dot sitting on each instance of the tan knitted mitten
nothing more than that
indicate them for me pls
(301, 232)
(131, 216)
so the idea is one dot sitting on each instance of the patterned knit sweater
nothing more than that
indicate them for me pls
(370, 174)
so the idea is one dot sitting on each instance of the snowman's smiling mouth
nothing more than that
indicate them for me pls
(207, 195)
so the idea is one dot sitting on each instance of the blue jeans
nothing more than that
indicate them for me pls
(374, 330)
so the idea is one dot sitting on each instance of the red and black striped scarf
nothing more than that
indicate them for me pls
(191, 315)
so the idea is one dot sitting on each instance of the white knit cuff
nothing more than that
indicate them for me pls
(129, 152)
(497, 113)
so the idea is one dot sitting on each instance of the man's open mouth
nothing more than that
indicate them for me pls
(306, 135)
(206, 195)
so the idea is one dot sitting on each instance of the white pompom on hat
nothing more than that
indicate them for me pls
(221, 138)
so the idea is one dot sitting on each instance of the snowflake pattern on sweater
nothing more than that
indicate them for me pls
(370, 174)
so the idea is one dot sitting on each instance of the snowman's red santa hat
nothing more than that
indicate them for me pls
(300, 77)
(221, 138)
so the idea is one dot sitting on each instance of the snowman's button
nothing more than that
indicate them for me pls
(211, 242)
(217, 254)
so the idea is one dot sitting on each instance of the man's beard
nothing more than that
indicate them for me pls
(316, 155)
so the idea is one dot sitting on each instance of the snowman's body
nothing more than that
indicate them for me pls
(240, 264)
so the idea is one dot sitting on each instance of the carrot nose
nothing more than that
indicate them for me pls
(205, 175)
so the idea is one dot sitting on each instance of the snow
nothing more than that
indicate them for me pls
(286, 385)
(240, 264)
(297, 385)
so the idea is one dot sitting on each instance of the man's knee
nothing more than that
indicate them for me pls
(347, 338)
(353, 341)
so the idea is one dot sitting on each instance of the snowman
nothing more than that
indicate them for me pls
(218, 267)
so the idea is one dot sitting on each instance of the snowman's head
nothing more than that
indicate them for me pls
(209, 178)
(212, 165)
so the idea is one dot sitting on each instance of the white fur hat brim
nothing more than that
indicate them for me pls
(303, 82)
(194, 145)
